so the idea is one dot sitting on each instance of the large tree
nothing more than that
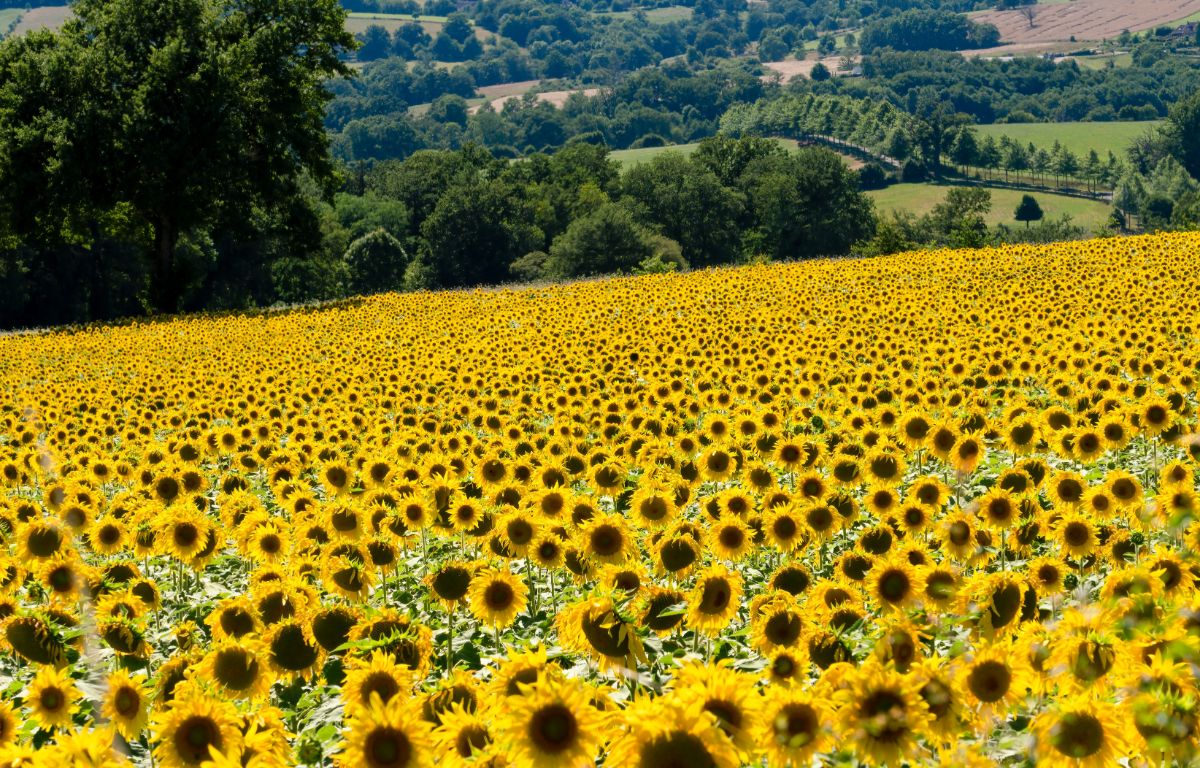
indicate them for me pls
(185, 113)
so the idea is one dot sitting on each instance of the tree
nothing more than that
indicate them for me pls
(1028, 210)
(685, 201)
(606, 240)
(1029, 13)
(964, 152)
(820, 73)
(374, 43)
(187, 113)
(1183, 127)
(376, 262)
(807, 204)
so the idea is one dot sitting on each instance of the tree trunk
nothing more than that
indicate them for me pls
(164, 290)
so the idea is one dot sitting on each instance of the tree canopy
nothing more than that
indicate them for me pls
(168, 118)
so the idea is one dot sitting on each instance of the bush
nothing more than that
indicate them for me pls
(376, 262)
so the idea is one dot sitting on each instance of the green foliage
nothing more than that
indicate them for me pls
(1183, 128)
(1028, 210)
(604, 241)
(923, 30)
(376, 262)
(195, 115)
(671, 192)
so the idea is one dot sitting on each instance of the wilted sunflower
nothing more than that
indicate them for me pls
(714, 600)
(238, 668)
(596, 628)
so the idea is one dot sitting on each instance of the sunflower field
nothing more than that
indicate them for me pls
(931, 509)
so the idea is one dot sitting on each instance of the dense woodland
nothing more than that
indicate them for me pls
(348, 180)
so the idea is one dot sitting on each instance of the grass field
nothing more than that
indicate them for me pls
(49, 17)
(632, 157)
(1080, 138)
(921, 198)
(8, 16)
(656, 15)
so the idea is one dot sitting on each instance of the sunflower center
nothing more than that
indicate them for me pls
(193, 738)
(237, 622)
(186, 534)
(498, 596)
(796, 725)
(960, 533)
(989, 681)
(292, 651)
(472, 738)
(732, 537)
(783, 628)
(606, 540)
(235, 669)
(520, 532)
(1078, 735)
(51, 699)
(387, 747)
(553, 729)
(676, 750)
(716, 596)
(126, 702)
(728, 715)
(1077, 534)
(884, 716)
(451, 583)
(784, 527)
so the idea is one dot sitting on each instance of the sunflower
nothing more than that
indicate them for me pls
(894, 583)
(1076, 535)
(794, 727)
(730, 538)
(519, 669)
(652, 508)
(551, 724)
(729, 696)
(379, 675)
(714, 600)
(461, 736)
(606, 538)
(998, 510)
(785, 529)
(8, 725)
(238, 668)
(126, 704)
(883, 715)
(1081, 732)
(108, 537)
(450, 584)
(52, 698)
(193, 724)
(390, 735)
(776, 622)
(661, 609)
(291, 651)
(994, 679)
(518, 530)
(596, 628)
(671, 731)
(496, 597)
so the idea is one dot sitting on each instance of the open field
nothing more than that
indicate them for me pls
(555, 98)
(920, 199)
(655, 15)
(358, 22)
(936, 508)
(7, 17)
(1080, 138)
(632, 157)
(792, 68)
(1086, 19)
(47, 17)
